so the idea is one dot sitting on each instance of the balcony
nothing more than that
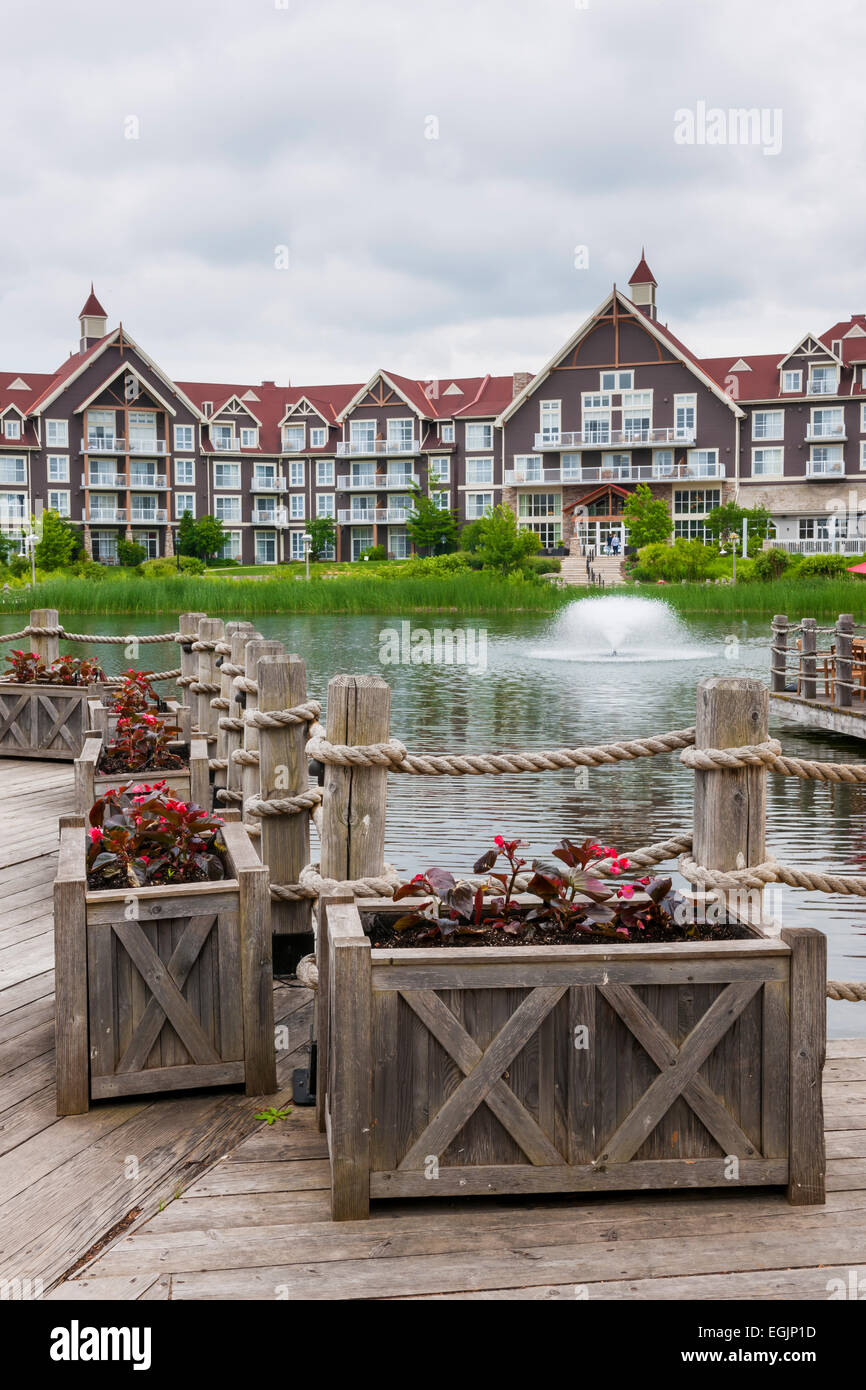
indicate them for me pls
(272, 516)
(155, 481)
(394, 516)
(268, 485)
(816, 432)
(226, 446)
(377, 482)
(103, 514)
(827, 468)
(822, 388)
(151, 447)
(96, 444)
(608, 438)
(287, 448)
(375, 448)
(112, 480)
(148, 518)
(633, 473)
(824, 545)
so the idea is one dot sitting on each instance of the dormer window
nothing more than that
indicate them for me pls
(446, 432)
(791, 381)
(249, 437)
(207, 407)
(318, 437)
(12, 428)
(293, 438)
(823, 381)
(836, 345)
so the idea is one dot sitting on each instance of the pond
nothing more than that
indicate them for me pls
(538, 682)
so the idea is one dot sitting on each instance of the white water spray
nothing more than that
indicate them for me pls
(621, 630)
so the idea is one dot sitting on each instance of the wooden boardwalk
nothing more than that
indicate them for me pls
(192, 1198)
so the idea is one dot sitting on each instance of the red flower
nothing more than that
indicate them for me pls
(96, 834)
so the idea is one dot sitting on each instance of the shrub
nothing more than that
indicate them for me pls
(771, 564)
(374, 552)
(543, 564)
(504, 545)
(470, 536)
(130, 553)
(191, 564)
(808, 566)
(690, 560)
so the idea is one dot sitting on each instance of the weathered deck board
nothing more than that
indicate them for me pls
(245, 1207)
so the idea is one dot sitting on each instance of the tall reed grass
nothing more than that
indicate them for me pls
(799, 598)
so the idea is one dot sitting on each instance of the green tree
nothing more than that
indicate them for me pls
(208, 537)
(323, 534)
(186, 535)
(729, 518)
(504, 545)
(57, 544)
(431, 528)
(647, 517)
(130, 553)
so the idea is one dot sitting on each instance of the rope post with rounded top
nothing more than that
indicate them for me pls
(283, 773)
(222, 702)
(210, 631)
(248, 754)
(232, 719)
(779, 654)
(187, 625)
(46, 648)
(844, 663)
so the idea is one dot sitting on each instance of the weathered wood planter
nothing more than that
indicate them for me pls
(189, 783)
(465, 1071)
(176, 717)
(161, 989)
(43, 719)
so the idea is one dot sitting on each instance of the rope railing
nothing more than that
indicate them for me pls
(32, 630)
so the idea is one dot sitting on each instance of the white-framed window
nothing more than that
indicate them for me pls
(99, 428)
(479, 436)
(537, 504)
(293, 438)
(703, 463)
(768, 424)
(296, 473)
(296, 507)
(231, 546)
(440, 470)
(362, 434)
(184, 438)
(595, 415)
(826, 460)
(227, 508)
(227, 475)
(59, 502)
(478, 504)
(58, 468)
(827, 423)
(318, 436)
(685, 414)
(570, 467)
(399, 542)
(814, 528)
(441, 499)
(296, 545)
(863, 453)
(249, 437)
(184, 502)
(266, 547)
(13, 509)
(691, 509)
(446, 431)
(13, 469)
(550, 416)
(479, 471)
(264, 477)
(325, 505)
(184, 471)
(616, 465)
(663, 463)
(863, 419)
(57, 434)
(207, 407)
(637, 415)
(324, 472)
(12, 427)
(792, 380)
(223, 436)
(400, 434)
(616, 381)
(768, 463)
(823, 381)
(529, 467)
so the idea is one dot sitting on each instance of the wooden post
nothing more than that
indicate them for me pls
(70, 971)
(257, 985)
(209, 630)
(844, 670)
(323, 1015)
(350, 1069)
(730, 804)
(234, 738)
(199, 775)
(285, 840)
(779, 654)
(354, 798)
(809, 660)
(808, 1035)
(46, 648)
(187, 626)
(225, 679)
(253, 652)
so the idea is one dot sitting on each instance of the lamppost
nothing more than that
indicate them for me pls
(308, 545)
(177, 548)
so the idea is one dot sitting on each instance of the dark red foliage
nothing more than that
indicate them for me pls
(140, 836)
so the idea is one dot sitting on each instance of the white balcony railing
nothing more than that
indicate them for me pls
(823, 546)
(822, 388)
(101, 514)
(139, 518)
(226, 446)
(828, 468)
(821, 431)
(112, 480)
(607, 438)
(288, 448)
(271, 516)
(373, 448)
(96, 444)
(151, 447)
(157, 481)
(633, 473)
(394, 516)
(268, 484)
(376, 482)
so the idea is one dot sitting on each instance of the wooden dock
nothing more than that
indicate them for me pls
(191, 1197)
(820, 713)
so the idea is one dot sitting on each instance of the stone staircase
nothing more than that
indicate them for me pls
(607, 568)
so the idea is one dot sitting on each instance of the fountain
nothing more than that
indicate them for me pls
(619, 629)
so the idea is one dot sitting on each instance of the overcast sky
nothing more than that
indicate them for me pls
(307, 126)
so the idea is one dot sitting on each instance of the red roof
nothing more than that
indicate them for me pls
(92, 307)
(642, 275)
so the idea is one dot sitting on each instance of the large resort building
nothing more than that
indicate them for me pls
(110, 441)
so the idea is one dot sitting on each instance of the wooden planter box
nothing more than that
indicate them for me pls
(103, 720)
(162, 989)
(190, 783)
(469, 1071)
(43, 720)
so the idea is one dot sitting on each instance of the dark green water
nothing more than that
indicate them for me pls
(550, 683)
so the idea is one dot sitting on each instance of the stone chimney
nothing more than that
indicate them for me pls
(520, 380)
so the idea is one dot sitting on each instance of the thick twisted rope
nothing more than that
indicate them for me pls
(203, 687)
(244, 683)
(373, 886)
(32, 631)
(247, 757)
(228, 796)
(219, 703)
(306, 713)
(229, 669)
(284, 805)
(228, 721)
(770, 755)
(770, 871)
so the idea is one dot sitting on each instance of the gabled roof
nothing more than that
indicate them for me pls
(597, 492)
(642, 275)
(819, 347)
(76, 363)
(125, 369)
(239, 401)
(663, 335)
(411, 392)
(92, 307)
